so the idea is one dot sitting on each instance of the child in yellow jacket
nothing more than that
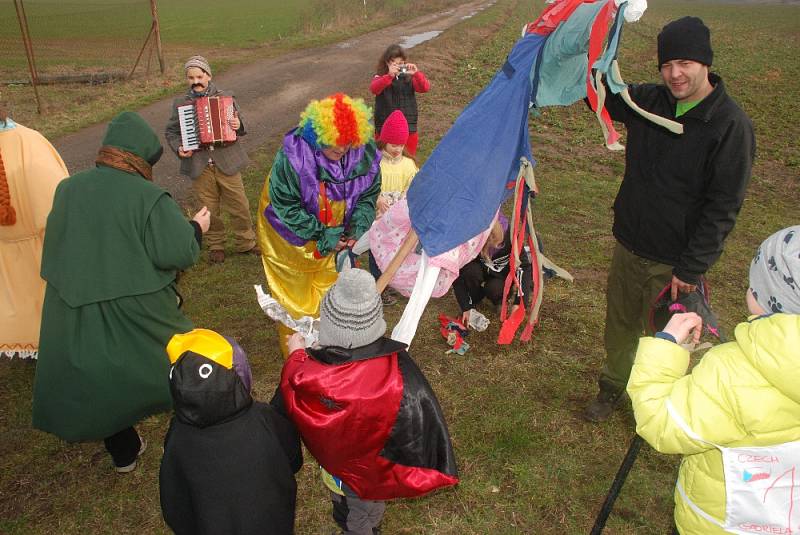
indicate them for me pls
(736, 416)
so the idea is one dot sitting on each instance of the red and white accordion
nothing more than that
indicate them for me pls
(206, 122)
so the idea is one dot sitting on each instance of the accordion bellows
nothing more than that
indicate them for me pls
(206, 122)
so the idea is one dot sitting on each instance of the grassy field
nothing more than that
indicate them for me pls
(198, 22)
(109, 42)
(528, 463)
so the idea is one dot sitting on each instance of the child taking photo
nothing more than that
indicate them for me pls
(395, 85)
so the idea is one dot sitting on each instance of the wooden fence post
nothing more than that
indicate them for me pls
(157, 30)
(26, 40)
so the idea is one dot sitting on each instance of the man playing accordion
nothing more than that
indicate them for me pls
(215, 169)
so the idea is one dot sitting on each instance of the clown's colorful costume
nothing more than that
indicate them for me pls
(309, 201)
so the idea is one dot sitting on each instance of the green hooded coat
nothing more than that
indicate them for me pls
(113, 247)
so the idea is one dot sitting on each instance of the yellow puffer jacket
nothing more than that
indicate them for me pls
(742, 393)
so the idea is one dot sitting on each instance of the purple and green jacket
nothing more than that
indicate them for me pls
(294, 192)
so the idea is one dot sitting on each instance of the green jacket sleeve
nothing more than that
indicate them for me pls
(364, 211)
(169, 238)
(658, 376)
(284, 194)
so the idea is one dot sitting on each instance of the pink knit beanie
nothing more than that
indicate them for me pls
(395, 129)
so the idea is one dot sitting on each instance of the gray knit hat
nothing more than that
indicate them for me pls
(351, 313)
(199, 62)
(775, 272)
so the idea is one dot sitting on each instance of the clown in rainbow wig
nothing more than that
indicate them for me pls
(319, 196)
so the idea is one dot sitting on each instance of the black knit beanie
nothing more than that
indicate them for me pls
(686, 38)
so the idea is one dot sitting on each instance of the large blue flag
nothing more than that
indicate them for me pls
(464, 181)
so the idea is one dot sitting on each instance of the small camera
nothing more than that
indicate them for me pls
(403, 69)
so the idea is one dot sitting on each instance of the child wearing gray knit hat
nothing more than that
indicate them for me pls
(351, 313)
(198, 61)
(364, 409)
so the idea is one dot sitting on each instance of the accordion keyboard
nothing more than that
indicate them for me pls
(187, 118)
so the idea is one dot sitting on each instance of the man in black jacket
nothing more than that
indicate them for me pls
(680, 195)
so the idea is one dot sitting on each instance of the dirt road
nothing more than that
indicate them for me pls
(273, 92)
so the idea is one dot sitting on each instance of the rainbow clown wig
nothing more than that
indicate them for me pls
(336, 120)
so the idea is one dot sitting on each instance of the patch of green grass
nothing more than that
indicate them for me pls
(79, 38)
(197, 22)
(528, 463)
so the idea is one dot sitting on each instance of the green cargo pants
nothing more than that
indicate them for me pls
(633, 284)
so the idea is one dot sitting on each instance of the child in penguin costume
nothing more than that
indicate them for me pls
(229, 461)
(364, 409)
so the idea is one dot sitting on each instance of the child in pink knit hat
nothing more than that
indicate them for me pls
(397, 165)
(397, 169)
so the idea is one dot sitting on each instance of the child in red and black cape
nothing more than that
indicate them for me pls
(364, 409)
